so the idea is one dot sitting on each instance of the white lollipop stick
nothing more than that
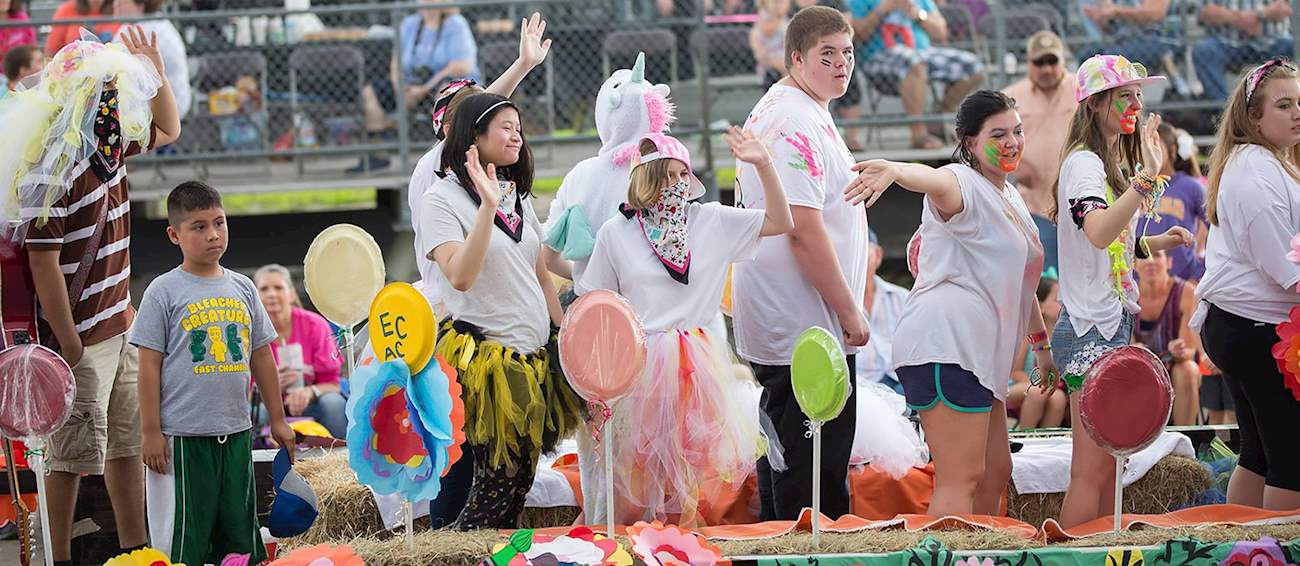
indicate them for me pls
(36, 447)
(410, 525)
(817, 484)
(609, 485)
(1119, 488)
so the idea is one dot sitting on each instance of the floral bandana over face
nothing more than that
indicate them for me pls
(108, 135)
(664, 226)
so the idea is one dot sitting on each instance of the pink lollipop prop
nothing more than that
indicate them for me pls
(1126, 400)
(36, 393)
(602, 351)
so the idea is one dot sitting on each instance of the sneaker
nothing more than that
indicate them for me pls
(368, 163)
(8, 531)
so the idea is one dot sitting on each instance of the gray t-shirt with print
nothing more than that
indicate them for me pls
(206, 330)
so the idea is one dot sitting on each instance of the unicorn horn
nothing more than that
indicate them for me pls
(638, 70)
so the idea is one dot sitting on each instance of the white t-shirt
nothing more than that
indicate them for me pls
(1087, 282)
(599, 186)
(773, 301)
(976, 282)
(422, 179)
(624, 262)
(172, 49)
(1246, 269)
(506, 301)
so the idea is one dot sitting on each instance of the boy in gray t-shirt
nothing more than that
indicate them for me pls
(201, 331)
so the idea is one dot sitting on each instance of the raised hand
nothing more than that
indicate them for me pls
(1153, 150)
(137, 43)
(484, 180)
(532, 48)
(873, 178)
(746, 147)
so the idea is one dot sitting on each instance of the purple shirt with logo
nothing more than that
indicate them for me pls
(1182, 205)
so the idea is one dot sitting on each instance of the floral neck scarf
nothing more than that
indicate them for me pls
(664, 226)
(510, 209)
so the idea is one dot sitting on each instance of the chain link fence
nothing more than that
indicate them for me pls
(305, 94)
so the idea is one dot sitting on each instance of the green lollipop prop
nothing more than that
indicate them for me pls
(819, 375)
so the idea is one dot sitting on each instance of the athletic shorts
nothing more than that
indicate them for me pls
(205, 507)
(1215, 394)
(925, 385)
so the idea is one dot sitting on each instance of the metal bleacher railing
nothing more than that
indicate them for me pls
(277, 91)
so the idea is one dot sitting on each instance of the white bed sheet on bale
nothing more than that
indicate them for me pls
(1043, 465)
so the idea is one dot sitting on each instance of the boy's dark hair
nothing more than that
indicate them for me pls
(15, 7)
(473, 120)
(188, 197)
(810, 25)
(18, 58)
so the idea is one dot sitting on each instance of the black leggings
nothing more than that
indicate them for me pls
(1267, 412)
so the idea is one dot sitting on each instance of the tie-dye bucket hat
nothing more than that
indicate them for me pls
(1104, 72)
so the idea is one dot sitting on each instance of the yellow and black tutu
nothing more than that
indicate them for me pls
(516, 404)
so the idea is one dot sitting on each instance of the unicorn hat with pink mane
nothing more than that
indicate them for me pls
(628, 107)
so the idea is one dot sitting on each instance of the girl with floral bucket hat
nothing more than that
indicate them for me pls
(1109, 170)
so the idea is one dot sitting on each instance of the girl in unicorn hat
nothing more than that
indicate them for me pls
(681, 426)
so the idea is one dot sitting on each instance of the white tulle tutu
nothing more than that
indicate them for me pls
(884, 438)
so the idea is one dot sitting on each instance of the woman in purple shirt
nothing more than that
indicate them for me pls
(1182, 205)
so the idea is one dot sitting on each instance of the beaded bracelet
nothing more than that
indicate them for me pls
(1150, 188)
(1044, 347)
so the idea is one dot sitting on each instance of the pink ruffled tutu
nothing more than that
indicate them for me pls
(686, 423)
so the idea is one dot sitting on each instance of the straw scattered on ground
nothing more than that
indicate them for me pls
(347, 509)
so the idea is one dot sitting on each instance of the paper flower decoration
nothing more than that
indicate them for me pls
(657, 545)
(1294, 254)
(1262, 552)
(405, 430)
(235, 560)
(1287, 352)
(321, 555)
(974, 561)
(142, 557)
(579, 546)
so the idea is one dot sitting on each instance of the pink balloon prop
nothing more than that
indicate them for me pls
(36, 391)
(602, 346)
(1126, 400)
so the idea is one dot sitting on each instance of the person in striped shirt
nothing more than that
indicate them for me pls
(88, 230)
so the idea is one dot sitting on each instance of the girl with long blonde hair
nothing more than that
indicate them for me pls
(1249, 286)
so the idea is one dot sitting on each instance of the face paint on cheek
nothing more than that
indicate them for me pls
(993, 155)
(1128, 116)
(827, 62)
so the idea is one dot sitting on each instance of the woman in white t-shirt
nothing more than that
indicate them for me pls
(681, 424)
(501, 308)
(1249, 285)
(974, 301)
(1108, 172)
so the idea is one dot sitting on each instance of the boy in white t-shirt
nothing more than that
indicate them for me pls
(816, 275)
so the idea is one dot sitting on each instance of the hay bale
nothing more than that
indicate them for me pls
(543, 517)
(1173, 483)
(347, 510)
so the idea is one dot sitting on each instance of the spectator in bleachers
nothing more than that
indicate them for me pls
(19, 63)
(767, 40)
(61, 35)
(1240, 32)
(841, 5)
(1167, 303)
(12, 11)
(894, 38)
(978, 9)
(883, 304)
(1183, 203)
(437, 47)
(688, 8)
(170, 46)
(1133, 28)
(1045, 98)
(306, 355)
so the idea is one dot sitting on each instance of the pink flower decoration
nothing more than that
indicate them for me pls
(657, 545)
(1294, 255)
(974, 561)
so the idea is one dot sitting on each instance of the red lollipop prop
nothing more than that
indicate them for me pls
(36, 392)
(1126, 401)
(602, 351)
